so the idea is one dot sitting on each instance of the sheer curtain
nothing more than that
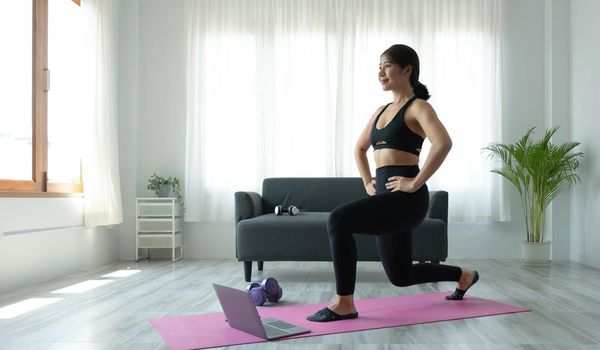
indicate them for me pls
(283, 88)
(100, 162)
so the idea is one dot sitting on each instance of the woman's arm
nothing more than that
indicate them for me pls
(440, 142)
(440, 146)
(360, 154)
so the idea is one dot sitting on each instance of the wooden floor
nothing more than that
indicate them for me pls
(564, 299)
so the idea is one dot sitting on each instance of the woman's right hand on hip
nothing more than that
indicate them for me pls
(370, 187)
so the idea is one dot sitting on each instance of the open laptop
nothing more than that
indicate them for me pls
(241, 314)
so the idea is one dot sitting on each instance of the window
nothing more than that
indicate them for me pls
(16, 90)
(39, 126)
(65, 98)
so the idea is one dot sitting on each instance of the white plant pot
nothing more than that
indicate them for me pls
(535, 253)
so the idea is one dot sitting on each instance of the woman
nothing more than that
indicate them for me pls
(398, 197)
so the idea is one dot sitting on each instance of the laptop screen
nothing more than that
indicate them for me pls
(240, 310)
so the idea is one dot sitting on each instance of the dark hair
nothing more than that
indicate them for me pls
(405, 56)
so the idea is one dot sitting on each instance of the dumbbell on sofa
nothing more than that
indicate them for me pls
(269, 289)
(292, 210)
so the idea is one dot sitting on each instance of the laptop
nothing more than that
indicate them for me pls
(241, 314)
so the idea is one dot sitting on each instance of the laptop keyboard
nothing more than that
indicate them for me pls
(274, 331)
(280, 324)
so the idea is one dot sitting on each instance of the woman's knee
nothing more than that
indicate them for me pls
(401, 277)
(401, 282)
(336, 221)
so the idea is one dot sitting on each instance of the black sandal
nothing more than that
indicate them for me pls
(459, 293)
(326, 315)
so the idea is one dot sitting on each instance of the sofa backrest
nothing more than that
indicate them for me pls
(320, 194)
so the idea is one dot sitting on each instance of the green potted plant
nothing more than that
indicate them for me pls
(538, 170)
(162, 187)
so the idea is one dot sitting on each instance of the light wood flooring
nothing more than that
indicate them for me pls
(564, 299)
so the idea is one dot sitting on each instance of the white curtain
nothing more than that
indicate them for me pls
(283, 88)
(100, 163)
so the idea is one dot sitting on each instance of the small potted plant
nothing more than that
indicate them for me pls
(162, 187)
(538, 170)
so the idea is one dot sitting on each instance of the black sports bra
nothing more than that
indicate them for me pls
(396, 134)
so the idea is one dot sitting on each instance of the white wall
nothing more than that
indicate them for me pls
(585, 48)
(160, 28)
(162, 96)
(128, 109)
(558, 113)
(151, 105)
(44, 239)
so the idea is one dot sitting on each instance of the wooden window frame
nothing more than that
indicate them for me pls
(39, 186)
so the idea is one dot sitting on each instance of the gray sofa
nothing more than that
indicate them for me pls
(263, 236)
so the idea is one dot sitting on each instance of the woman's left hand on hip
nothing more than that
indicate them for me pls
(400, 183)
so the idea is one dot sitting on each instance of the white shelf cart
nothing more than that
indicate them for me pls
(158, 225)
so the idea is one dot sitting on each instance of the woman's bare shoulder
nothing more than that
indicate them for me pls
(421, 107)
(421, 104)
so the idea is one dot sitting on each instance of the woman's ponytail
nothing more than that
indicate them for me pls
(421, 91)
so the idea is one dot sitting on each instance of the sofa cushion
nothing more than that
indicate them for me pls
(294, 238)
(284, 237)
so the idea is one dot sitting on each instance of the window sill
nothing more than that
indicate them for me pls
(23, 194)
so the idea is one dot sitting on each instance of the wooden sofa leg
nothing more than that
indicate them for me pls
(247, 270)
(260, 265)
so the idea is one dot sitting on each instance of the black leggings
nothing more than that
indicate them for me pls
(390, 216)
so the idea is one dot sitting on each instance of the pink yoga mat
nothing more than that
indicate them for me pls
(211, 330)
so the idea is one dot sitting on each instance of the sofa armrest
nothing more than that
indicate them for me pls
(438, 205)
(247, 205)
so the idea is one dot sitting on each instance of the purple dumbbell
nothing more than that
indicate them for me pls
(269, 289)
(270, 285)
(276, 297)
(252, 285)
(259, 296)
(273, 289)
